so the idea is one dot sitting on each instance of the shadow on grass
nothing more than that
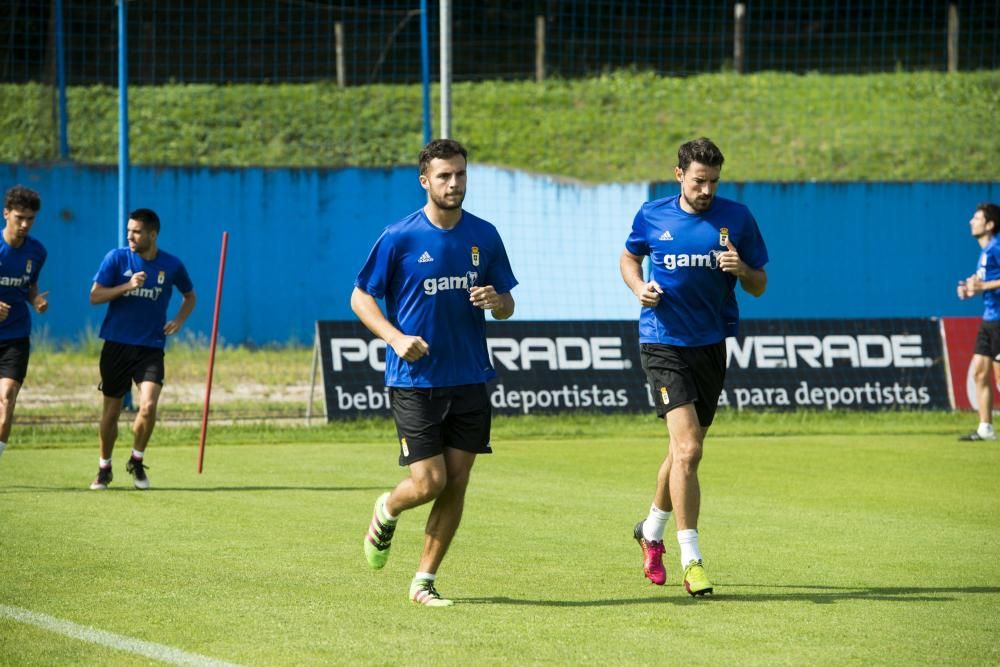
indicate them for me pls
(14, 489)
(765, 593)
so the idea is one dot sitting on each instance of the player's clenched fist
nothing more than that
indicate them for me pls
(410, 348)
(649, 295)
(729, 261)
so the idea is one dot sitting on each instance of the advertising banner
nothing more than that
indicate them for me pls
(960, 341)
(837, 364)
(545, 367)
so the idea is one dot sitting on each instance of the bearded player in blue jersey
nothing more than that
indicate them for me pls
(984, 225)
(438, 269)
(699, 247)
(136, 282)
(21, 261)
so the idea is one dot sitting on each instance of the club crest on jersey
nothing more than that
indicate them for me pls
(27, 267)
(724, 236)
(475, 255)
(161, 277)
(664, 396)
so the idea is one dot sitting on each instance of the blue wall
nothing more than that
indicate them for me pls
(298, 238)
(863, 249)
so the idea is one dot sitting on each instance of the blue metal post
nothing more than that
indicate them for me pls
(425, 69)
(61, 83)
(123, 164)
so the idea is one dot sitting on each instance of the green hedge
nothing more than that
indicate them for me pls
(623, 126)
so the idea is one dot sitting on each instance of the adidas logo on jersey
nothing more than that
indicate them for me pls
(665, 236)
(426, 257)
(128, 273)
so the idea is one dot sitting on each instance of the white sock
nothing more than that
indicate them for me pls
(385, 513)
(3, 446)
(105, 463)
(985, 429)
(655, 523)
(688, 540)
(425, 575)
(136, 454)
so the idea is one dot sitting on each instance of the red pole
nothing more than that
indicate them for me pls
(211, 351)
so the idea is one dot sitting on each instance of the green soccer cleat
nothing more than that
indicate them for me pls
(695, 580)
(422, 591)
(378, 540)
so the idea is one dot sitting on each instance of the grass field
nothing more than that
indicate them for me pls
(831, 539)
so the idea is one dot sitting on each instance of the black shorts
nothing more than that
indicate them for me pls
(14, 355)
(121, 364)
(428, 420)
(681, 375)
(988, 340)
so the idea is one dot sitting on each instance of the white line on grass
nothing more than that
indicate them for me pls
(146, 649)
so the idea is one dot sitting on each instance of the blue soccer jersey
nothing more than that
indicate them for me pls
(19, 270)
(424, 273)
(138, 316)
(988, 269)
(698, 305)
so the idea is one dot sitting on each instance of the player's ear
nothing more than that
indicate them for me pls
(678, 174)
(424, 183)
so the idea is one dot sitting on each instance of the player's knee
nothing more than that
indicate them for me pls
(147, 410)
(459, 480)
(686, 453)
(431, 484)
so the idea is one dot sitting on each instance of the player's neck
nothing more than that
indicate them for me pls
(12, 240)
(441, 217)
(984, 240)
(150, 254)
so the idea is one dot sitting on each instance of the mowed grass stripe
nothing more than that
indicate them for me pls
(110, 640)
(826, 549)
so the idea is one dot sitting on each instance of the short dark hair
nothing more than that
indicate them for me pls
(147, 217)
(991, 213)
(23, 198)
(699, 150)
(443, 149)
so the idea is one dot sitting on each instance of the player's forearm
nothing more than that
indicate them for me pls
(631, 270)
(367, 310)
(754, 281)
(187, 307)
(506, 307)
(988, 285)
(100, 294)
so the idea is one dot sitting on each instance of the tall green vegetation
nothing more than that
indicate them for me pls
(623, 126)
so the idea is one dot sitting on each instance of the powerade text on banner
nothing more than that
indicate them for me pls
(545, 367)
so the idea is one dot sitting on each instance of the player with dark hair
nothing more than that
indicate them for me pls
(136, 282)
(21, 261)
(439, 269)
(699, 246)
(984, 225)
